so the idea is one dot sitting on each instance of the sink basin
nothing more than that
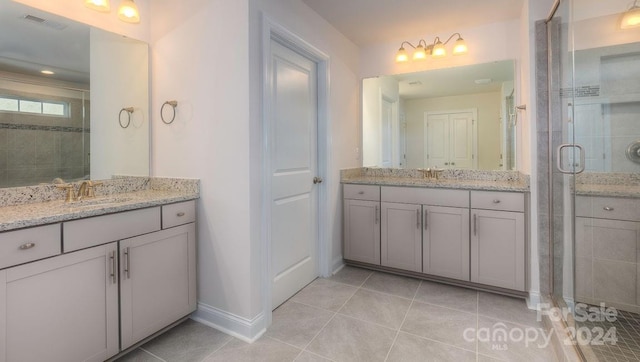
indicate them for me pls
(101, 201)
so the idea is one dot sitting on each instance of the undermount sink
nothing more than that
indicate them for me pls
(101, 201)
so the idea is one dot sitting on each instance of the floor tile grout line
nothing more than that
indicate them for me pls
(318, 333)
(395, 339)
(148, 352)
(231, 338)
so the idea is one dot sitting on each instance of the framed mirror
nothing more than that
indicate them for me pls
(452, 118)
(62, 86)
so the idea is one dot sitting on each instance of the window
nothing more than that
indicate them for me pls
(31, 106)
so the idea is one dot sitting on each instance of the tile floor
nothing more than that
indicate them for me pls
(359, 315)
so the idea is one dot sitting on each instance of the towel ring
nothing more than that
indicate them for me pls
(173, 105)
(129, 110)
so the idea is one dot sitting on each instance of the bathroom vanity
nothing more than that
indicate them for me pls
(468, 231)
(83, 281)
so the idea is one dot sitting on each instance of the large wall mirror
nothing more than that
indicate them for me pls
(68, 124)
(454, 118)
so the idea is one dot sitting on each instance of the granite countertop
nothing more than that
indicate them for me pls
(27, 215)
(489, 185)
(29, 206)
(632, 191)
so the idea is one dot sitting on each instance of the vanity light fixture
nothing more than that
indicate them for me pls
(99, 5)
(47, 72)
(631, 18)
(128, 12)
(435, 49)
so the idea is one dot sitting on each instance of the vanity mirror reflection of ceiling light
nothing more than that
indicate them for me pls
(631, 18)
(127, 11)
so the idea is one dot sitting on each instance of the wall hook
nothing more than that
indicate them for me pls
(129, 110)
(173, 105)
(522, 107)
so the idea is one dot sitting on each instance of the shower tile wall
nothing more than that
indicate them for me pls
(36, 148)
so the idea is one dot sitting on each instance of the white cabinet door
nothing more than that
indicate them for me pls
(61, 309)
(401, 239)
(362, 231)
(498, 249)
(158, 282)
(446, 242)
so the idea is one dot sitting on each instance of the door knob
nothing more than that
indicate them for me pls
(317, 180)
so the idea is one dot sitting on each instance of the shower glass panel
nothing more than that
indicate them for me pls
(594, 109)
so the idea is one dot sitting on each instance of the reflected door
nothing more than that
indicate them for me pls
(450, 140)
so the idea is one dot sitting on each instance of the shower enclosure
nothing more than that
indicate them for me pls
(593, 72)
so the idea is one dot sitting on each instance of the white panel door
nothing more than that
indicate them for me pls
(450, 139)
(293, 160)
(437, 136)
(461, 140)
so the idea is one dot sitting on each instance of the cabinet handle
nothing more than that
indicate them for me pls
(475, 224)
(112, 267)
(127, 272)
(377, 215)
(360, 192)
(426, 212)
(607, 208)
(180, 214)
(418, 218)
(496, 201)
(26, 246)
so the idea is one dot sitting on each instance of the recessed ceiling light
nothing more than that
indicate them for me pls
(483, 81)
(47, 72)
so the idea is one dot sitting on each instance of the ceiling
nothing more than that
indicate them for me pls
(29, 46)
(367, 22)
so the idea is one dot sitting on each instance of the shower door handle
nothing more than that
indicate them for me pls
(559, 158)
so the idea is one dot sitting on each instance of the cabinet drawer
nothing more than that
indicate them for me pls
(361, 192)
(496, 200)
(22, 246)
(178, 214)
(416, 195)
(85, 233)
(608, 208)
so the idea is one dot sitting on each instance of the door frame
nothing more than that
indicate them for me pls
(474, 130)
(271, 30)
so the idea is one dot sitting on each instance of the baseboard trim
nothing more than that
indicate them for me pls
(338, 264)
(247, 330)
(533, 300)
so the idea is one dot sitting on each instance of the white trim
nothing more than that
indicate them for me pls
(338, 264)
(533, 300)
(272, 30)
(248, 330)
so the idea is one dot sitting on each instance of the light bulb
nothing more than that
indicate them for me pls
(128, 12)
(402, 56)
(438, 50)
(631, 18)
(460, 47)
(420, 53)
(99, 5)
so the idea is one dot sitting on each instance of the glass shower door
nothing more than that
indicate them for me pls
(595, 177)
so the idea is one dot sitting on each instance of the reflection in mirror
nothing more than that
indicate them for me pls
(47, 120)
(453, 118)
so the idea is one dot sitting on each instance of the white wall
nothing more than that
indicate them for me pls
(200, 58)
